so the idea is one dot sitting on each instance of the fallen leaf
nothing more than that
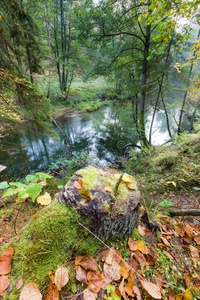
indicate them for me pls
(184, 296)
(30, 291)
(142, 208)
(189, 230)
(103, 173)
(51, 276)
(4, 283)
(44, 182)
(133, 245)
(194, 253)
(129, 288)
(142, 248)
(133, 264)
(52, 292)
(79, 185)
(44, 199)
(131, 186)
(116, 292)
(160, 279)
(106, 280)
(141, 230)
(171, 294)
(87, 262)
(197, 239)
(107, 256)
(151, 260)
(108, 189)
(124, 272)
(112, 271)
(81, 275)
(165, 241)
(19, 283)
(5, 261)
(180, 230)
(61, 277)
(188, 280)
(187, 239)
(89, 295)
(152, 289)
(137, 293)
(117, 256)
(95, 281)
(140, 258)
(122, 289)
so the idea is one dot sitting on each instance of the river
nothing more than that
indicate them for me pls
(103, 134)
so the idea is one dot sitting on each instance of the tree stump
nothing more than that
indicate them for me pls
(113, 210)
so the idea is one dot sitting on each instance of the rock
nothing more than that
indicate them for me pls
(110, 215)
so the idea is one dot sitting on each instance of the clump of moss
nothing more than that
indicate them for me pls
(52, 236)
(90, 175)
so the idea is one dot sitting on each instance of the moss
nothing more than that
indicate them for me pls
(52, 236)
(135, 234)
(90, 175)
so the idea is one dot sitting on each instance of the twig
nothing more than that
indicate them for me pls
(185, 212)
(117, 185)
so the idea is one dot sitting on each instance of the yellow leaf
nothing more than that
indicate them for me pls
(139, 19)
(142, 248)
(44, 199)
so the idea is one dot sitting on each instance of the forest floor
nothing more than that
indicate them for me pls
(160, 260)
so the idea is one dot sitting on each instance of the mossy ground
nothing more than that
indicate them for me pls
(50, 239)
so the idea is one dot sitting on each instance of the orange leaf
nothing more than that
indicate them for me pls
(130, 186)
(52, 292)
(129, 288)
(30, 291)
(86, 262)
(152, 289)
(108, 189)
(4, 283)
(132, 244)
(95, 281)
(5, 261)
(142, 248)
(78, 184)
(197, 239)
(124, 272)
(19, 284)
(51, 276)
(61, 277)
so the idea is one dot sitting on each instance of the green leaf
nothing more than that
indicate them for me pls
(19, 185)
(166, 203)
(21, 194)
(43, 176)
(4, 185)
(31, 178)
(73, 288)
(9, 192)
(34, 190)
(115, 297)
(110, 288)
(60, 186)
(196, 188)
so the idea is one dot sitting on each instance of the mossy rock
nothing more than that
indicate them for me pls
(51, 238)
(110, 215)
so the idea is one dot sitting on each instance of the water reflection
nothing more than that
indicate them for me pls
(104, 134)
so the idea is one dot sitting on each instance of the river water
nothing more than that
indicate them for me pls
(104, 134)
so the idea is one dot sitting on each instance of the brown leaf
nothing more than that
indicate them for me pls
(133, 264)
(160, 279)
(52, 292)
(106, 280)
(124, 272)
(152, 289)
(142, 248)
(10, 288)
(129, 288)
(189, 230)
(187, 239)
(116, 292)
(171, 294)
(151, 260)
(30, 291)
(86, 262)
(81, 275)
(117, 256)
(136, 291)
(131, 186)
(61, 277)
(95, 281)
(197, 239)
(180, 229)
(89, 295)
(51, 276)
(188, 280)
(194, 252)
(108, 189)
(165, 241)
(19, 283)
(107, 256)
(133, 245)
(112, 271)
(4, 283)
(18, 238)
(141, 230)
(140, 258)
(122, 289)
(44, 182)
(5, 261)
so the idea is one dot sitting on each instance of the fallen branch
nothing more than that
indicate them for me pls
(185, 212)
